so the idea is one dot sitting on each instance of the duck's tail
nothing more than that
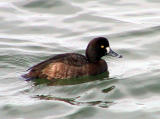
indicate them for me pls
(30, 75)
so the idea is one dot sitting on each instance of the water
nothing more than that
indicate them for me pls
(34, 30)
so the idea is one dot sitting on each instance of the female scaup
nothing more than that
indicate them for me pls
(71, 65)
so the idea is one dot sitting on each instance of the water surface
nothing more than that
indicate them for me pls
(34, 30)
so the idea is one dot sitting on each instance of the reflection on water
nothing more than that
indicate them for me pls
(75, 81)
(72, 81)
(34, 30)
(73, 101)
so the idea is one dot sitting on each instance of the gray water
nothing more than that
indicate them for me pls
(34, 30)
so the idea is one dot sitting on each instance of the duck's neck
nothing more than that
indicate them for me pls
(92, 58)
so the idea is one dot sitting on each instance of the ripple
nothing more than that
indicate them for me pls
(32, 31)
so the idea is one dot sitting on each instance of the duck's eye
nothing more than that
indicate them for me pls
(102, 46)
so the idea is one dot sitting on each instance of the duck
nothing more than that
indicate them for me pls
(73, 65)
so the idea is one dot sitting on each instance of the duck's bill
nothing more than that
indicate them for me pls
(114, 54)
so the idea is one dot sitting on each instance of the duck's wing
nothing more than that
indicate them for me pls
(72, 59)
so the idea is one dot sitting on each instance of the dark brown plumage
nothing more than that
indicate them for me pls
(72, 65)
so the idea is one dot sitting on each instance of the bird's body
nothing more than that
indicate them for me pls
(72, 65)
(69, 65)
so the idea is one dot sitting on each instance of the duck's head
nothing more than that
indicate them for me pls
(99, 47)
